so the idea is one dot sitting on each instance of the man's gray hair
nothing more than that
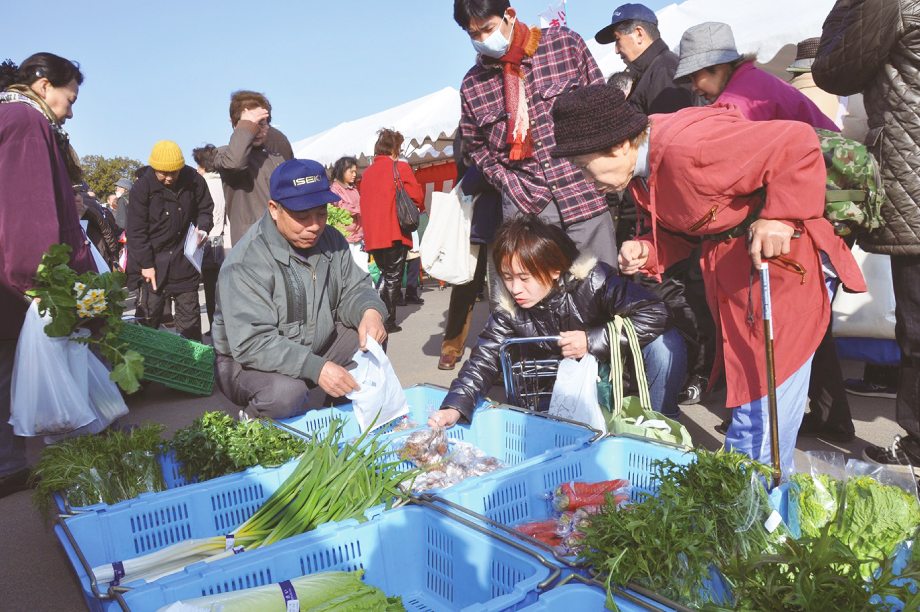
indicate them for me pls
(628, 27)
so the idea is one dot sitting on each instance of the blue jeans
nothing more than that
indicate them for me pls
(666, 369)
(12, 447)
(749, 432)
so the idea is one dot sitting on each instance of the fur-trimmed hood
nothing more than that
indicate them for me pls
(578, 271)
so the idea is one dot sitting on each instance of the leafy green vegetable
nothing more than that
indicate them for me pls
(328, 591)
(339, 218)
(107, 468)
(814, 574)
(876, 518)
(75, 300)
(705, 512)
(814, 500)
(215, 445)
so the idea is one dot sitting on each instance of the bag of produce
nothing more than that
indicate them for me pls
(448, 461)
(815, 493)
(324, 591)
(880, 511)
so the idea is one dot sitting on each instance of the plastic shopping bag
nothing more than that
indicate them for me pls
(575, 393)
(380, 397)
(105, 400)
(46, 396)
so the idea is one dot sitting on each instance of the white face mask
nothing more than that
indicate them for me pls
(495, 45)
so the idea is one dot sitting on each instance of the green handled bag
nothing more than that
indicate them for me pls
(629, 414)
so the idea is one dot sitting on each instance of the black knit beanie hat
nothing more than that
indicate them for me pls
(593, 119)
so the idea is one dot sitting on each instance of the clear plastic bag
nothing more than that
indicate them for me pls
(49, 388)
(815, 494)
(449, 461)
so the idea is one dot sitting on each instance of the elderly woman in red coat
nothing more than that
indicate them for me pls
(750, 191)
(383, 238)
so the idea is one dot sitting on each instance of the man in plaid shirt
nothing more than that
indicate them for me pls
(507, 126)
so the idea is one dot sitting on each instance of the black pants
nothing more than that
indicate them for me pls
(826, 394)
(905, 272)
(187, 318)
(209, 279)
(413, 269)
(460, 310)
(391, 262)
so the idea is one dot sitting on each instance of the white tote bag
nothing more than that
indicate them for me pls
(446, 251)
(870, 314)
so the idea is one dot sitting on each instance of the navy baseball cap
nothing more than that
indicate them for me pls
(301, 184)
(625, 13)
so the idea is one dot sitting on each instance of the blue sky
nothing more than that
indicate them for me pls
(165, 70)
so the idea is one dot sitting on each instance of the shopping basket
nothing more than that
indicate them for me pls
(528, 379)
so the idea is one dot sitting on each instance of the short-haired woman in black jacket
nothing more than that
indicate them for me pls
(552, 289)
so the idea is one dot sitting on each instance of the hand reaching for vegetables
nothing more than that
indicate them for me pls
(444, 418)
(574, 344)
(336, 380)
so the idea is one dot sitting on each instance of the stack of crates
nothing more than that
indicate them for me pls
(172, 360)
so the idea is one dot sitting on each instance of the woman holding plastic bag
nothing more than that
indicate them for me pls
(38, 169)
(551, 289)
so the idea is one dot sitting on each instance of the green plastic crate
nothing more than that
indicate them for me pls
(172, 360)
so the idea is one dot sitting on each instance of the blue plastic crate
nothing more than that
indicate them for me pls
(422, 399)
(583, 598)
(432, 562)
(512, 497)
(153, 521)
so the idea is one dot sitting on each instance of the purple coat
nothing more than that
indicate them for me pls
(37, 209)
(760, 96)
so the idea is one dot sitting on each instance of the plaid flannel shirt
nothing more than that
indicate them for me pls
(561, 63)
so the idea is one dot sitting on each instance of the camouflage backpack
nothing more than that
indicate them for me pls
(855, 193)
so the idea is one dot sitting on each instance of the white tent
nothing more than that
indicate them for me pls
(759, 26)
(422, 122)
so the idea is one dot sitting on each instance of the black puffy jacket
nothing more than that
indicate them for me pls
(873, 47)
(158, 222)
(590, 295)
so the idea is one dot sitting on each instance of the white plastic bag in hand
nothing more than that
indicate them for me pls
(46, 398)
(381, 396)
(575, 393)
(105, 400)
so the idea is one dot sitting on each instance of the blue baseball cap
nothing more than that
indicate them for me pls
(625, 13)
(301, 184)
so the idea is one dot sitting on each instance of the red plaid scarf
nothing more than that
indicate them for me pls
(524, 43)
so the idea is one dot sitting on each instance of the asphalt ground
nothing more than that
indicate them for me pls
(37, 575)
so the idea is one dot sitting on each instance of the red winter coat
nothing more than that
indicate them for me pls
(378, 202)
(705, 165)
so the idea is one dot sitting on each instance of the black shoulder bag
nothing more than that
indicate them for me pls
(406, 211)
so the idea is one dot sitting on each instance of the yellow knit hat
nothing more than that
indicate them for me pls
(166, 157)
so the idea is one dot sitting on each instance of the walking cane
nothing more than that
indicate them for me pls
(771, 373)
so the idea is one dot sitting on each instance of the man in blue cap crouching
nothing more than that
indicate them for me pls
(292, 306)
